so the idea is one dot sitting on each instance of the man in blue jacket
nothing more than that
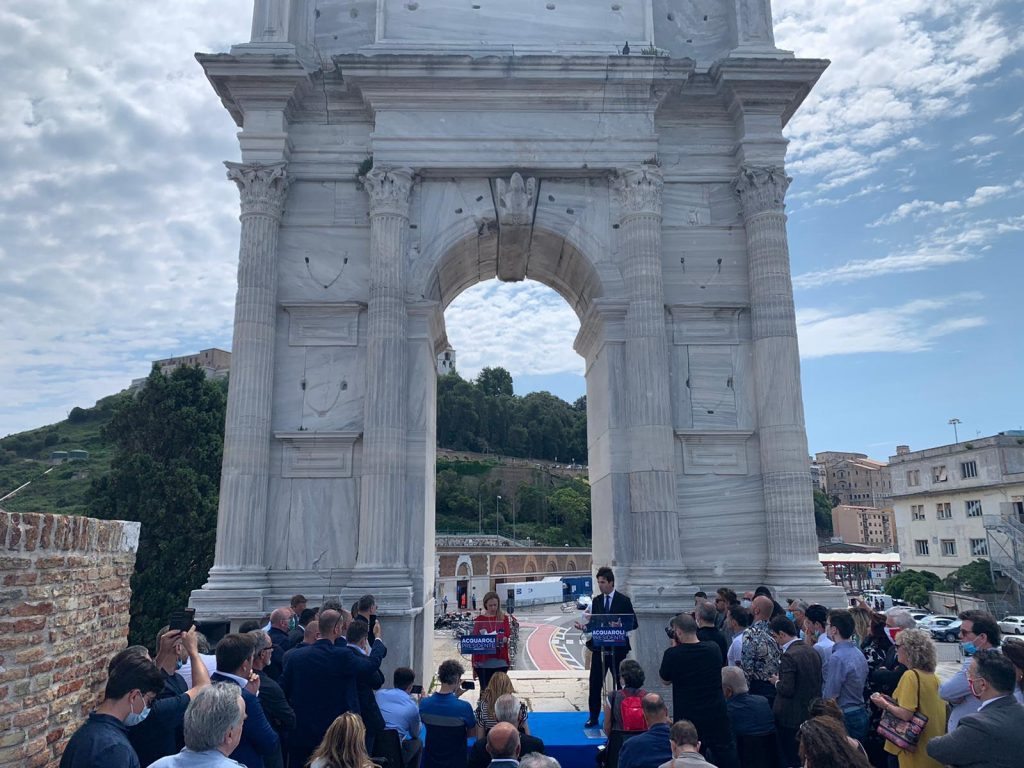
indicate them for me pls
(650, 748)
(234, 665)
(320, 683)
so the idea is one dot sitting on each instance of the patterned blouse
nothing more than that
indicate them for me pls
(759, 653)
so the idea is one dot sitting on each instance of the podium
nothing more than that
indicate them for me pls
(608, 632)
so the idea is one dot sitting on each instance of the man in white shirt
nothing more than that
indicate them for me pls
(815, 622)
(739, 619)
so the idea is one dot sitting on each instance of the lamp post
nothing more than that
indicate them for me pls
(496, 500)
(953, 423)
(480, 510)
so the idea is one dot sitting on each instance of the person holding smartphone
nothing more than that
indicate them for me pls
(399, 706)
(493, 621)
(449, 721)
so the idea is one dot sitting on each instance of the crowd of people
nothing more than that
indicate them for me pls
(753, 684)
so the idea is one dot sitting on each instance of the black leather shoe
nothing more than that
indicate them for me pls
(591, 723)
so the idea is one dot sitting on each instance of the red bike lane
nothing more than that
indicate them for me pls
(538, 647)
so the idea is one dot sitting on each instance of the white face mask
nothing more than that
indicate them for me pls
(745, 603)
(135, 719)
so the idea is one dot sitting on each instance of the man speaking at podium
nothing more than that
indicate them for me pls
(609, 601)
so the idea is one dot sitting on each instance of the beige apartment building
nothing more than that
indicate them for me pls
(865, 525)
(853, 479)
(956, 503)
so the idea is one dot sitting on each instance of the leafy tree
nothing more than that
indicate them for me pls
(822, 513)
(494, 382)
(973, 577)
(165, 474)
(913, 582)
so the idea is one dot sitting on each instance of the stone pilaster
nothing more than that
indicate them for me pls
(652, 462)
(789, 508)
(382, 495)
(241, 518)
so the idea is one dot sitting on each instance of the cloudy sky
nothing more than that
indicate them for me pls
(118, 231)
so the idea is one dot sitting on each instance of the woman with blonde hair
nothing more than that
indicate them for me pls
(918, 691)
(344, 745)
(493, 621)
(499, 685)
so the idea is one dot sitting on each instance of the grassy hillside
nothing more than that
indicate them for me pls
(24, 457)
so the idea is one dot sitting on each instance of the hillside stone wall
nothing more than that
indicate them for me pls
(64, 593)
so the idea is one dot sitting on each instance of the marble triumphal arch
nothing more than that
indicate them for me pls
(395, 153)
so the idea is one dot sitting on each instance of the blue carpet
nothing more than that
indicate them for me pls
(564, 738)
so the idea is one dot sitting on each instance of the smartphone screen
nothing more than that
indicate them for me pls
(468, 685)
(182, 619)
(417, 689)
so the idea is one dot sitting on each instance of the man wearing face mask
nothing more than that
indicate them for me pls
(102, 742)
(993, 736)
(886, 677)
(846, 674)
(978, 632)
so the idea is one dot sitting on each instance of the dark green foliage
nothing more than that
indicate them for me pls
(485, 416)
(165, 474)
(823, 513)
(912, 586)
(973, 577)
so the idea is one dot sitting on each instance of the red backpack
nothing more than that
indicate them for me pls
(632, 711)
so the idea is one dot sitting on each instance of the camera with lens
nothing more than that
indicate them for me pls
(670, 632)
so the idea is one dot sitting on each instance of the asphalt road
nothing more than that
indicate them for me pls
(547, 639)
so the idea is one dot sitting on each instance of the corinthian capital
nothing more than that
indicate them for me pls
(389, 190)
(639, 190)
(761, 190)
(263, 187)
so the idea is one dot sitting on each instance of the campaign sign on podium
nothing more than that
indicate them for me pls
(479, 644)
(609, 629)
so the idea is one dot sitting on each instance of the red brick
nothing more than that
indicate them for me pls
(29, 717)
(20, 579)
(29, 625)
(14, 533)
(46, 532)
(52, 561)
(31, 523)
(32, 609)
(12, 563)
(52, 736)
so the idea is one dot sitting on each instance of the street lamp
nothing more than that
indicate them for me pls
(953, 423)
(496, 500)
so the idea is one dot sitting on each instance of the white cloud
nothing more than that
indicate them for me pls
(118, 229)
(911, 327)
(525, 328)
(984, 138)
(981, 196)
(895, 66)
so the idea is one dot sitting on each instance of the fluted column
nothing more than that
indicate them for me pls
(241, 518)
(652, 494)
(382, 539)
(789, 507)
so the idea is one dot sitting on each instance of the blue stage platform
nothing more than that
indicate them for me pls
(564, 738)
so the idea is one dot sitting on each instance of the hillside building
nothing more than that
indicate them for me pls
(215, 363)
(853, 479)
(865, 525)
(956, 503)
(446, 362)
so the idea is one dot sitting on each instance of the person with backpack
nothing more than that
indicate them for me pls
(624, 709)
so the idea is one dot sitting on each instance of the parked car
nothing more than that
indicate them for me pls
(935, 621)
(1012, 625)
(583, 602)
(949, 633)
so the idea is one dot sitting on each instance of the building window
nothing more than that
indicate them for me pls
(948, 547)
(913, 477)
(939, 474)
(921, 546)
(973, 507)
(979, 547)
(917, 511)
(943, 511)
(968, 469)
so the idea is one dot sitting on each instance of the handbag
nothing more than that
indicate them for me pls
(904, 733)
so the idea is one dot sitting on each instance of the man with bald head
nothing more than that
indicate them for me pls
(279, 627)
(320, 682)
(503, 745)
(759, 653)
(651, 748)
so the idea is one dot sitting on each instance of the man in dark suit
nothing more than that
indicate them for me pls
(608, 601)
(994, 735)
(275, 706)
(234, 665)
(280, 619)
(367, 681)
(320, 683)
(798, 682)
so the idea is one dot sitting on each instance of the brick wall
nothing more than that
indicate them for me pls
(63, 614)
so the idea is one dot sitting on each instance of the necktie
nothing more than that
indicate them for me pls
(607, 603)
